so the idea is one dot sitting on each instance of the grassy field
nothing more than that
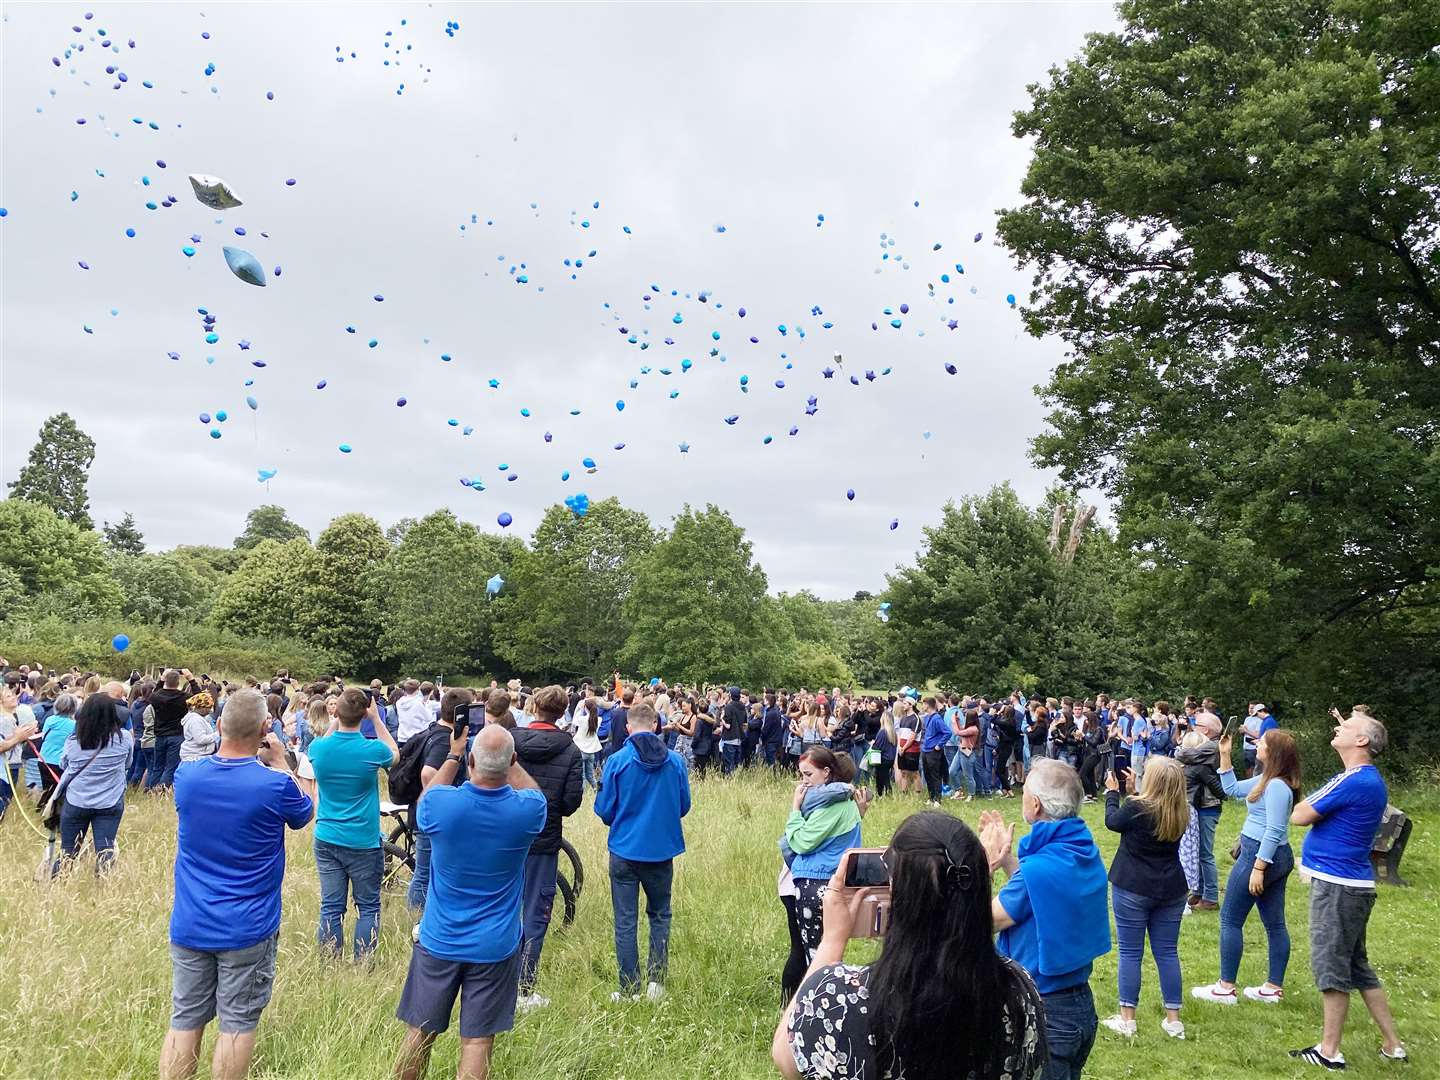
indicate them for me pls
(86, 984)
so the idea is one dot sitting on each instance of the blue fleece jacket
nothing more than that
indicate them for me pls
(644, 792)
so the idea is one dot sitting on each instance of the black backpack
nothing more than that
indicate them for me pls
(404, 775)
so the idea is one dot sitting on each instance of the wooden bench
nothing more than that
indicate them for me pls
(1389, 846)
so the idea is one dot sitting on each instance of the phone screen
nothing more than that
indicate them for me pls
(1230, 726)
(866, 869)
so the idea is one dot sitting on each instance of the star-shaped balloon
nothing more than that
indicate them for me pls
(829, 373)
(684, 448)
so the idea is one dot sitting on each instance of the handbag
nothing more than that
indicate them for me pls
(50, 815)
(873, 757)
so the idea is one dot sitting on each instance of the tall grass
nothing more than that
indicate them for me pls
(85, 989)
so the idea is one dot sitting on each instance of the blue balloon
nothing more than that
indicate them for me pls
(503, 521)
(245, 266)
(120, 642)
(495, 584)
(850, 494)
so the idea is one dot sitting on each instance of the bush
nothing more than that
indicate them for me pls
(62, 644)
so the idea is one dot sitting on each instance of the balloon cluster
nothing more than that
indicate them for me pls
(578, 504)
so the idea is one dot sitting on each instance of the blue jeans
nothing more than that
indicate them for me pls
(1135, 915)
(769, 752)
(163, 761)
(590, 769)
(1209, 873)
(626, 880)
(343, 871)
(420, 880)
(964, 772)
(103, 824)
(985, 775)
(138, 764)
(1070, 1025)
(8, 773)
(858, 749)
(1238, 902)
(729, 757)
(537, 898)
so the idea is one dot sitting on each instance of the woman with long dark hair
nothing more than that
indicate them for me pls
(1007, 734)
(95, 762)
(1261, 868)
(939, 1003)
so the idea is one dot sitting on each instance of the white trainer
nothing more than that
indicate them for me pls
(1270, 995)
(655, 992)
(1216, 993)
(1120, 1026)
(531, 1001)
(1174, 1028)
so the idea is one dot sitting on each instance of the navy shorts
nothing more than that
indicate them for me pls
(487, 994)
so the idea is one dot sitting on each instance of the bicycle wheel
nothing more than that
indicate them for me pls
(577, 870)
(399, 849)
(568, 895)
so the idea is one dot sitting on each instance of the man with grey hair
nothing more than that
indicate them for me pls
(233, 807)
(1343, 816)
(470, 933)
(1051, 915)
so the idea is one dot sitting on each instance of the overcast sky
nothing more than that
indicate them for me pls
(678, 120)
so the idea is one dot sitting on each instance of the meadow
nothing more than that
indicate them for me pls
(85, 990)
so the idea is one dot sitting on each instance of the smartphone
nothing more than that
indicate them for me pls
(370, 695)
(865, 869)
(462, 715)
(1230, 725)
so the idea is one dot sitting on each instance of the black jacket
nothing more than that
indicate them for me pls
(170, 710)
(551, 757)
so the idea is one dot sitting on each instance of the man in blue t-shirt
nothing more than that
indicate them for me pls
(1343, 816)
(348, 858)
(1051, 915)
(234, 807)
(470, 933)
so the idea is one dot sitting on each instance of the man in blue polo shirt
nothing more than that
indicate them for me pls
(1051, 915)
(225, 922)
(480, 834)
(348, 859)
(1343, 816)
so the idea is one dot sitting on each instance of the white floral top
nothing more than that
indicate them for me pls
(831, 1039)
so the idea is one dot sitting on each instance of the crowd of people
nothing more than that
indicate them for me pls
(983, 936)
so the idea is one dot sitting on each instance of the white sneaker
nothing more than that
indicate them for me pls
(1174, 1028)
(655, 992)
(619, 998)
(1270, 995)
(531, 1001)
(1217, 993)
(415, 934)
(1120, 1026)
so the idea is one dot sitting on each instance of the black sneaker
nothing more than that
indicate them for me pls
(1311, 1055)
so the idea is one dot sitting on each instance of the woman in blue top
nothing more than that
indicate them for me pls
(820, 838)
(58, 726)
(95, 761)
(1262, 868)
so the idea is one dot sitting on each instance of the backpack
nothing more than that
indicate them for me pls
(404, 775)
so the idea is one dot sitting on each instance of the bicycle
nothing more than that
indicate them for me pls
(398, 846)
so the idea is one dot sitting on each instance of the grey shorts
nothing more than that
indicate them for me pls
(487, 994)
(236, 984)
(1338, 917)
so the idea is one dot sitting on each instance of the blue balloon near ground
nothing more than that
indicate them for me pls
(245, 266)
(121, 642)
(504, 520)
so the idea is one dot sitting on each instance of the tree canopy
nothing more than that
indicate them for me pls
(1232, 213)
(58, 471)
(124, 537)
(268, 522)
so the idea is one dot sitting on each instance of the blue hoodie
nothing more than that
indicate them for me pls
(644, 792)
(1060, 885)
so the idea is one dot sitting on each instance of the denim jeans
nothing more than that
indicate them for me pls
(626, 880)
(103, 824)
(420, 880)
(138, 764)
(985, 773)
(1136, 915)
(965, 772)
(729, 757)
(163, 761)
(858, 749)
(952, 750)
(1238, 902)
(590, 769)
(537, 898)
(1070, 1025)
(1209, 873)
(769, 751)
(344, 871)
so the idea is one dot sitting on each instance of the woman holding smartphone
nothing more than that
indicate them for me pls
(824, 823)
(939, 1002)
